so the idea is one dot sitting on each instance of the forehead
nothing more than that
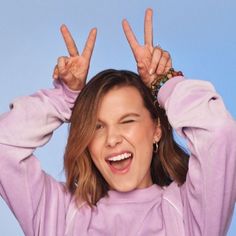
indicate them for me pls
(120, 100)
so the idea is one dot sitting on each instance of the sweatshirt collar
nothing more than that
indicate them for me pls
(137, 195)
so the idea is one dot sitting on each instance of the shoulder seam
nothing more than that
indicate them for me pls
(174, 206)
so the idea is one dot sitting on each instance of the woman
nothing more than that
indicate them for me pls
(125, 174)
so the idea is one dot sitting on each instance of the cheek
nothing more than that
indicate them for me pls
(94, 153)
(95, 148)
(143, 133)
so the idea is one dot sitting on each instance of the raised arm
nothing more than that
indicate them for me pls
(197, 113)
(33, 112)
(29, 192)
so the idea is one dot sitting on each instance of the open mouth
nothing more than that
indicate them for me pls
(120, 163)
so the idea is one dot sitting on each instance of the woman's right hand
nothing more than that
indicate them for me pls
(73, 69)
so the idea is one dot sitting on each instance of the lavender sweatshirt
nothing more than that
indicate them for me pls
(202, 206)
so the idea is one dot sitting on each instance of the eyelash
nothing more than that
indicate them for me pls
(127, 121)
(99, 126)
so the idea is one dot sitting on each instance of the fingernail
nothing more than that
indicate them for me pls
(151, 71)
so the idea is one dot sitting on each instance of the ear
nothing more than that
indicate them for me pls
(158, 132)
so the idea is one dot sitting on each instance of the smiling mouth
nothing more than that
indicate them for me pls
(120, 164)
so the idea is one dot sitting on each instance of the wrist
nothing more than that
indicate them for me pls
(161, 79)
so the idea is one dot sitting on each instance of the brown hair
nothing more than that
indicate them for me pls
(82, 177)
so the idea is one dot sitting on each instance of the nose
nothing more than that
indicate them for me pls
(114, 137)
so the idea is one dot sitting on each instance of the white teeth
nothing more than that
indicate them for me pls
(120, 157)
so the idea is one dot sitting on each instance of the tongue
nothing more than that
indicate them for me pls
(120, 165)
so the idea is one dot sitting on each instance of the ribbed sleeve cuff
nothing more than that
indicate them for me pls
(167, 89)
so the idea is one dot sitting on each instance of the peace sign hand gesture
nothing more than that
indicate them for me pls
(73, 69)
(151, 61)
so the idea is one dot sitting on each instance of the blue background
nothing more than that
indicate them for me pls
(200, 36)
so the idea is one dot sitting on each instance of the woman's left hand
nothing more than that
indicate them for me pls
(151, 61)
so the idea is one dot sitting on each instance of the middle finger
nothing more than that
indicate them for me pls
(148, 30)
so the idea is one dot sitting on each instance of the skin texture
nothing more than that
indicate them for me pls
(124, 125)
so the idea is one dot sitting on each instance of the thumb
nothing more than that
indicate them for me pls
(55, 74)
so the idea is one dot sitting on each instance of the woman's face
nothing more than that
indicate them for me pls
(122, 145)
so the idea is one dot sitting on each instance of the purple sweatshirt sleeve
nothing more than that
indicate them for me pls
(198, 114)
(23, 185)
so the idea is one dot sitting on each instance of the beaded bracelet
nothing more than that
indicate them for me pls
(159, 81)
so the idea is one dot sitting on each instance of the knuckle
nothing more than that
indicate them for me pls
(160, 69)
(62, 72)
(166, 54)
(59, 58)
(157, 49)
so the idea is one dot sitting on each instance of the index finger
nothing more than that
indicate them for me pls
(130, 35)
(69, 41)
(148, 31)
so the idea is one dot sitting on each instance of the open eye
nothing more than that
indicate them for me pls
(99, 126)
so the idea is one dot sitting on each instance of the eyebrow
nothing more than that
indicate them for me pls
(132, 114)
(128, 115)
